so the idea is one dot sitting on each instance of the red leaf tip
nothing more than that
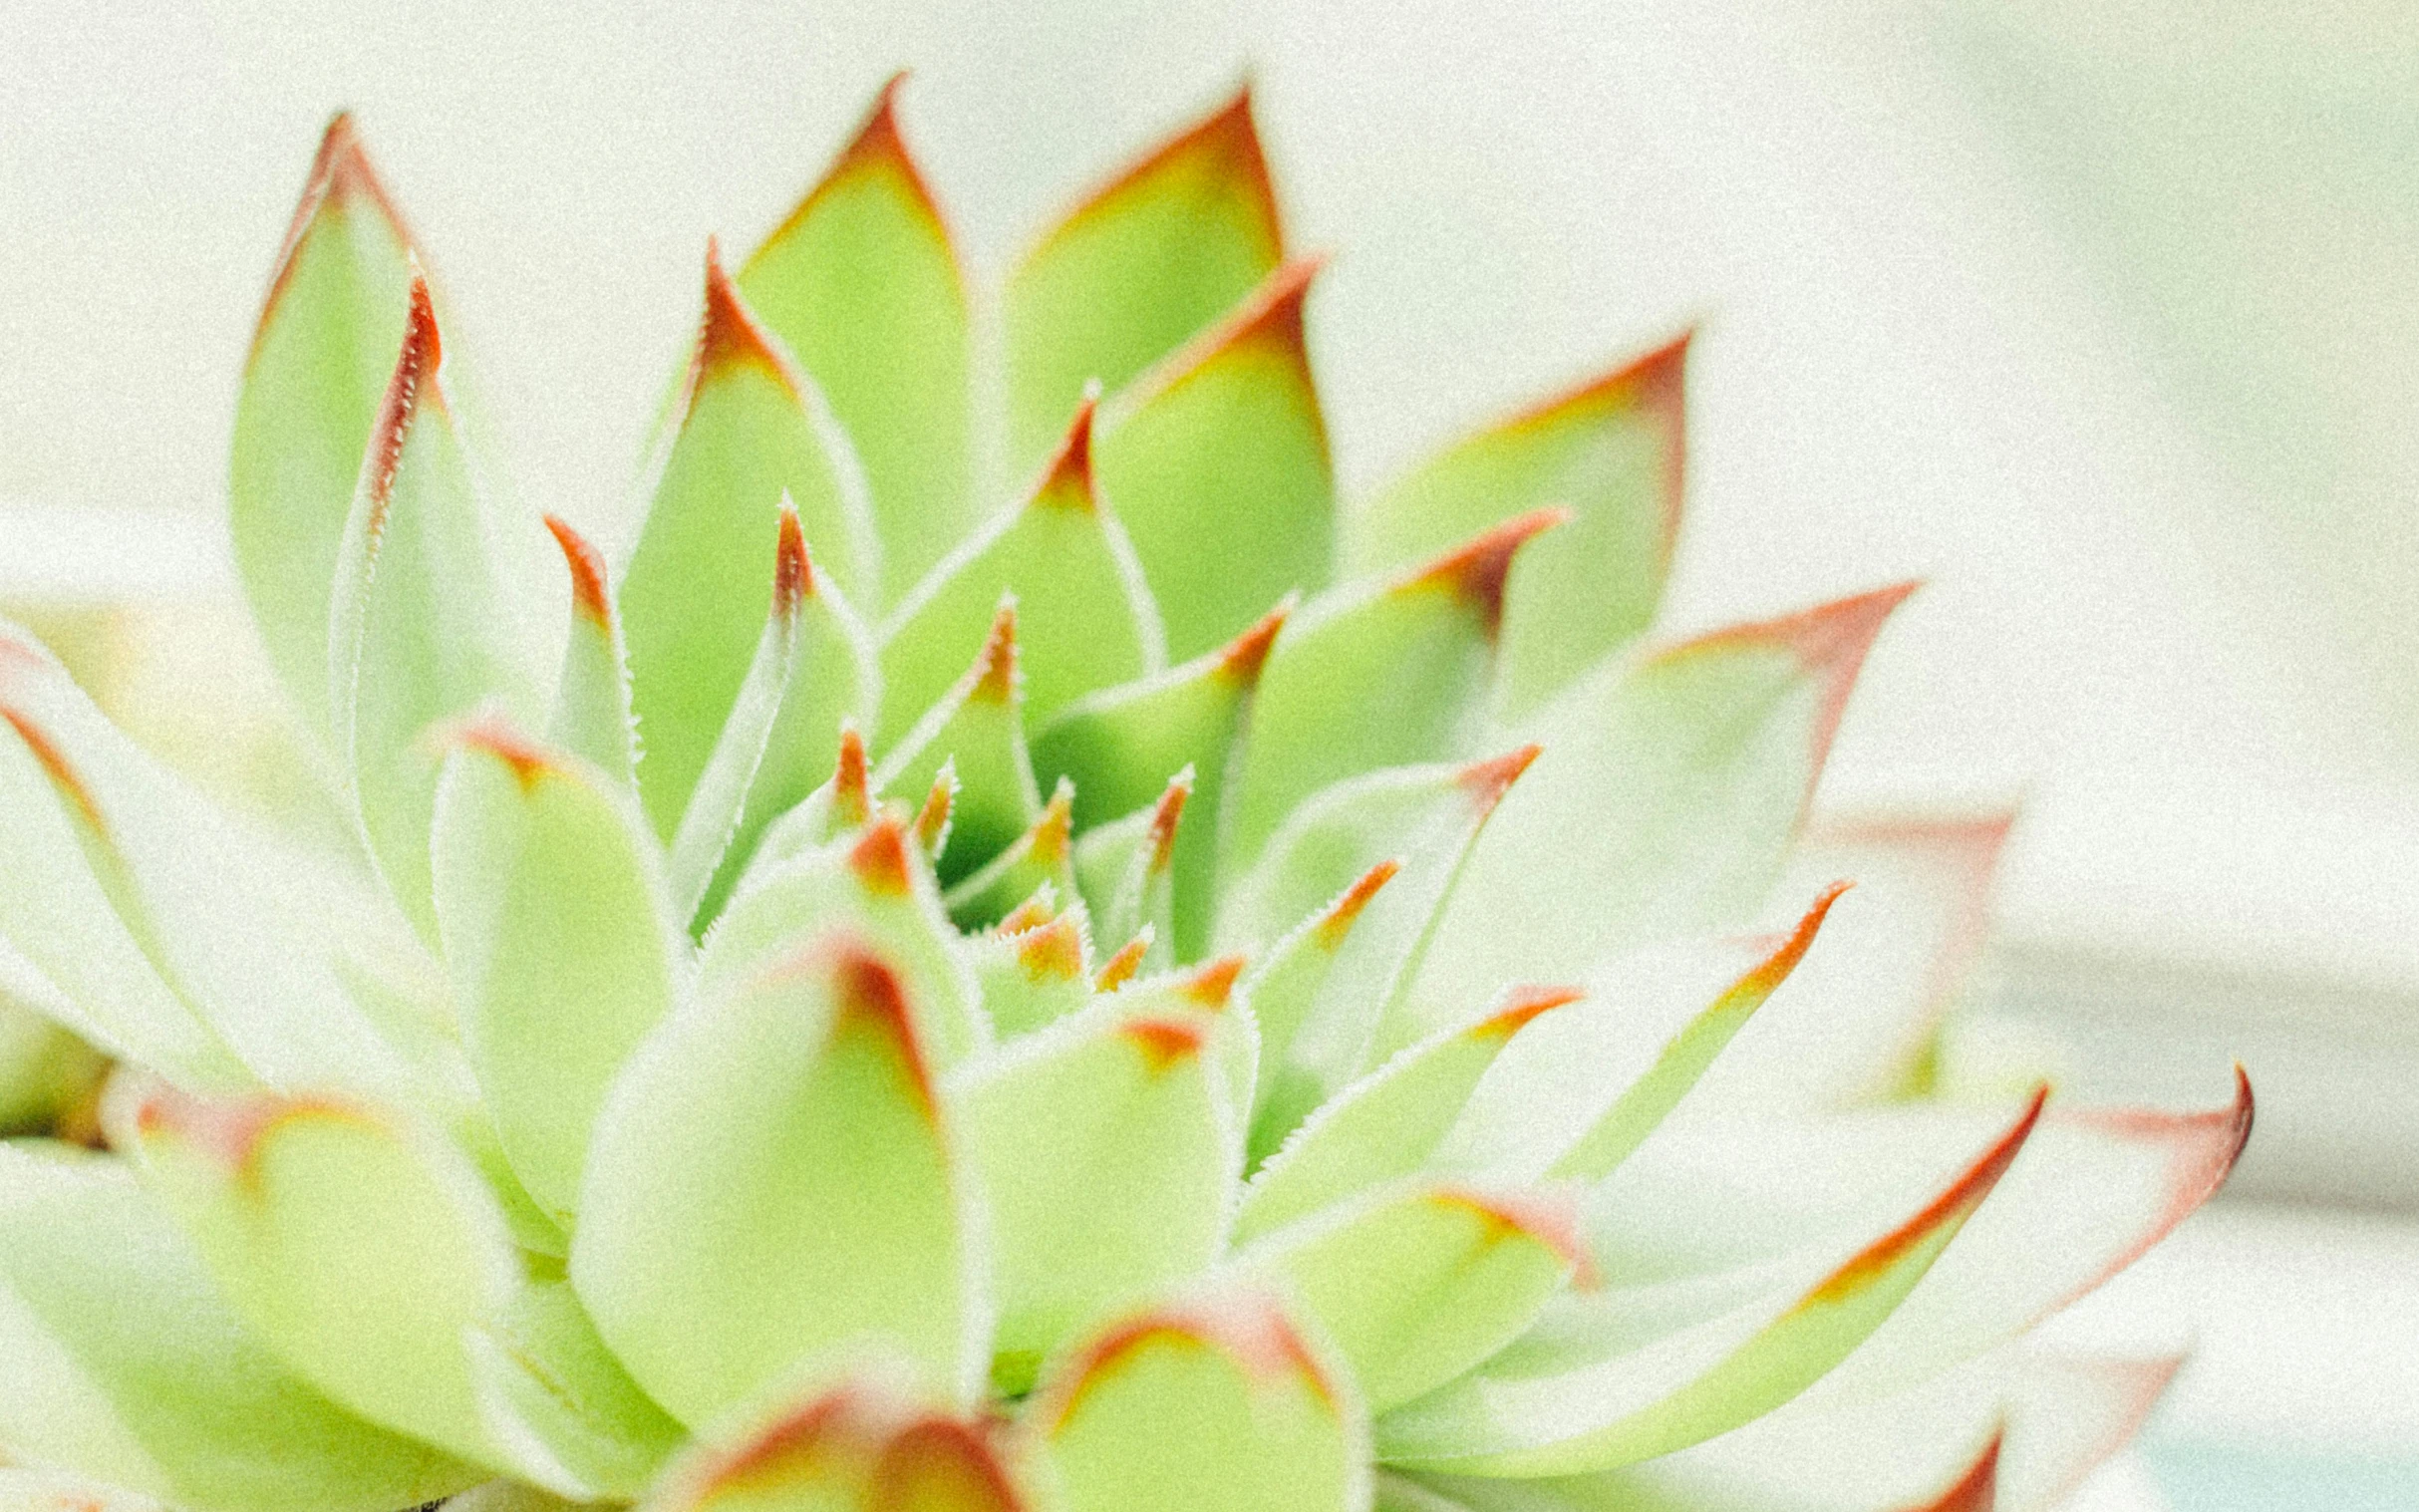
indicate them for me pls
(867, 992)
(1164, 1043)
(850, 803)
(492, 735)
(1241, 659)
(879, 858)
(1249, 1328)
(341, 178)
(1337, 922)
(1224, 146)
(1975, 1490)
(1519, 1005)
(587, 565)
(1119, 969)
(729, 336)
(1829, 642)
(1528, 1215)
(1066, 478)
(1165, 816)
(1475, 571)
(792, 573)
(414, 383)
(1952, 1205)
(1487, 782)
(1213, 984)
(1791, 948)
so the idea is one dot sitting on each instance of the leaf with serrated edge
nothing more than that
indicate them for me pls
(1389, 1122)
(1637, 1371)
(1213, 1404)
(1604, 846)
(772, 1179)
(591, 716)
(1086, 619)
(559, 937)
(977, 729)
(862, 284)
(1579, 1093)
(1109, 1152)
(318, 368)
(1044, 853)
(1127, 868)
(1033, 977)
(1415, 1284)
(1158, 253)
(1121, 745)
(1224, 445)
(1611, 451)
(117, 1356)
(425, 624)
(696, 597)
(1421, 648)
(230, 961)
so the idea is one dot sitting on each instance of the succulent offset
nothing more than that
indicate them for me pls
(1147, 987)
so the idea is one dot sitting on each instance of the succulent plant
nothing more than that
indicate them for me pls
(1148, 989)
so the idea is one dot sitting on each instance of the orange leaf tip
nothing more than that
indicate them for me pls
(1212, 983)
(1119, 969)
(730, 337)
(1959, 1198)
(792, 573)
(1338, 921)
(906, 1455)
(879, 858)
(1032, 913)
(1165, 816)
(1268, 321)
(932, 821)
(340, 178)
(588, 597)
(1487, 782)
(1163, 1042)
(1769, 972)
(414, 383)
(1066, 478)
(1052, 832)
(1053, 952)
(491, 736)
(1519, 1005)
(850, 803)
(879, 148)
(994, 668)
(1223, 148)
(1251, 1329)
(1241, 659)
(867, 992)
(1977, 1488)
(1528, 1215)
(1829, 642)
(1653, 386)
(1475, 571)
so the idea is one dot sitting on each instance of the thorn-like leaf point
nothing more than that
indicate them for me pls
(340, 178)
(1066, 478)
(850, 803)
(414, 383)
(1119, 969)
(730, 337)
(1791, 948)
(932, 821)
(1519, 1005)
(1961, 1197)
(1032, 913)
(1654, 384)
(1487, 782)
(879, 858)
(1829, 642)
(1210, 985)
(588, 566)
(1251, 1331)
(1226, 144)
(1475, 571)
(793, 574)
(1978, 1489)
(2203, 1149)
(1052, 952)
(1163, 1042)
(1337, 922)
(1243, 656)
(1167, 814)
(994, 668)
(878, 148)
(1055, 828)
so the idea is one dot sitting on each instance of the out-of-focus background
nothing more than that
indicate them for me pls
(2102, 315)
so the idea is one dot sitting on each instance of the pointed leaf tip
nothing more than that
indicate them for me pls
(866, 991)
(2205, 1147)
(1250, 1330)
(1537, 1216)
(879, 858)
(341, 177)
(1337, 922)
(1475, 572)
(996, 664)
(1163, 1042)
(1228, 137)
(414, 383)
(1519, 1005)
(932, 821)
(792, 573)
(492, 736)
(1978, 1489)
(850, 803)
(1487, 782)
(1032, 913)
(1212, 983)
(1829, 642)
(1245, 653)
(1167, 814)
(729, 335)
(1053, 831)
(587, 568)
(1066, 478)
(1952, 1205)
(1791, 948)
(1052, 951)
(1119, 969)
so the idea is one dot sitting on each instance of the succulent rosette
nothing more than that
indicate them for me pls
(1149, 988)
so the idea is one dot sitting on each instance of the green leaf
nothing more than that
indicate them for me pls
(771, 1181)
(425, 624)
(1611, 451)
(354, 1244)
(1121, 745)
(318, 368)
(184, 942)
(1109, 1151)
(1421, 648)
(1086, 619)
(1604, 846)
(563, 1402)
(47, 1074)
(1389, 1122)
(879, 885)
(561, 944)
(118, 1356)
(862, 284)
(1042, 857)
(592, 697)
(1129, 275)
(1216, 1404)
(1216, 462)
(1641, 1369)
(865, 1446)
(1128, 868)
(977, 730)
(696, 597)
(1033, 977)
(1287, 984)
(1579, 1093)
(1416, 1285)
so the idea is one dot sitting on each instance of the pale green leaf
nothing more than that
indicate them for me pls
(591, 716)
(862, 284)
(560, 1403)
(1127, 867)
(1141, 265)
(1033, 977)
(1042, 857)
(771, 1181)
(976, 731)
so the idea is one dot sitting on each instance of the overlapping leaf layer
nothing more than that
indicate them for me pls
(1146, 990)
